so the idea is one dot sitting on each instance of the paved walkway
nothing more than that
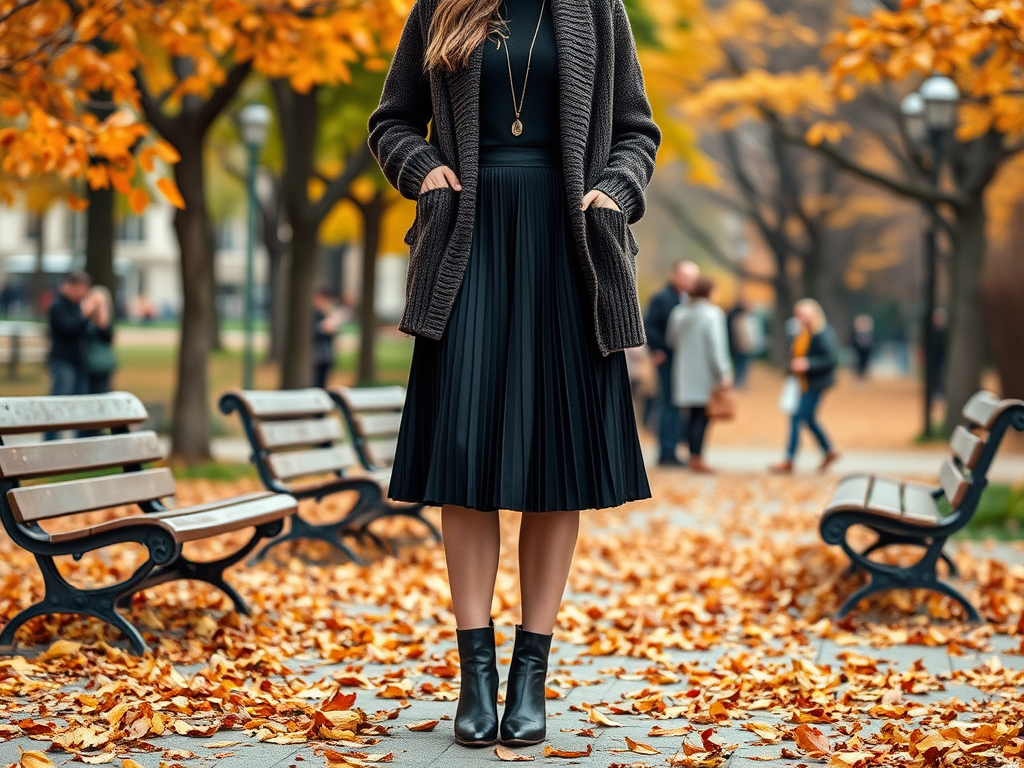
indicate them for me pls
(611, 683)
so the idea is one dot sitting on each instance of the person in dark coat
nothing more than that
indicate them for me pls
(814, 359)
(863, 342)
(521, 296)
(659, 308)
(68, 319)
(100, 361)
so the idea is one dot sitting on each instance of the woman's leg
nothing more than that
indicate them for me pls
(698, 425)
(547, 541)
(811, 417)
(546, 544)
(799, 416)
(472, 544)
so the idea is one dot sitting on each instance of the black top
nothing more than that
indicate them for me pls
(822, 359)
(539, 115)
(656, 320)
(68, 328)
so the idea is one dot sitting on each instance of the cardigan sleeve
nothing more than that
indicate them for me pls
(398, 127)
(635, 136)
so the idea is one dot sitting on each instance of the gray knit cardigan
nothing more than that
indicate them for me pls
(609, 142)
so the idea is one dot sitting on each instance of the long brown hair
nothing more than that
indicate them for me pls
(456, 29)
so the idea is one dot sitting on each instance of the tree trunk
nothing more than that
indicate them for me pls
(1003, 300)
(778, 339)
(216, 341)
(299, 115)
(372, 213)
(965, 357)
(191, 427)
(99, 240)
(277, 269)
(297, 363)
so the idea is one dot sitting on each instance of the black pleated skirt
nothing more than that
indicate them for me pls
(514, 407)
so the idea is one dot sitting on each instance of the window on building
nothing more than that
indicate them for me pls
(132, 229)
(224, 234)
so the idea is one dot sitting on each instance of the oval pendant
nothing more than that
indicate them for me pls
(517, 127)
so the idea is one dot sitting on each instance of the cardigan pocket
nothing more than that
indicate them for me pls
(427, 239)
(613, 252)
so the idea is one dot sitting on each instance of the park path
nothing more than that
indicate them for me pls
(922, 667)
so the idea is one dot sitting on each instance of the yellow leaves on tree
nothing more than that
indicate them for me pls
(976, 42)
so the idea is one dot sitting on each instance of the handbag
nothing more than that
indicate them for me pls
(100, 359)
(789, 400)
(722, 405)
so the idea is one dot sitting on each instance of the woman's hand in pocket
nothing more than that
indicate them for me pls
(440, 177)
(598, 199)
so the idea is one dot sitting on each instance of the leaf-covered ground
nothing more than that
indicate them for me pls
(696, 632)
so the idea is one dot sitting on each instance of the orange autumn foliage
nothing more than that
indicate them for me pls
(49, 79)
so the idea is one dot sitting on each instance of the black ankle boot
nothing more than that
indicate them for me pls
(525, 721)
(476, 719)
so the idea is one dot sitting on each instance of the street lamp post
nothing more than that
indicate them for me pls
(253, 123)
(930, 117)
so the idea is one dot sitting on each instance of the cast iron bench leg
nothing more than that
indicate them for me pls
(211, 573)
(416, 513)
(301, 529)
(885, 540)
(63, 597)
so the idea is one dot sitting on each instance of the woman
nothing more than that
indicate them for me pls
(698, 336)
(522, 295)
(100, 360)
(814, 358)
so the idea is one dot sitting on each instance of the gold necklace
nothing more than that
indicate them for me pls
(517, 125)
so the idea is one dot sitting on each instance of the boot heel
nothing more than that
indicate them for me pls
(476, 719)
(525, 720)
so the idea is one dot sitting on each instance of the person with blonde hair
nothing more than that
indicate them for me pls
(814, 358)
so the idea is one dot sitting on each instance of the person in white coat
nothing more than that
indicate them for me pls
(698, 335)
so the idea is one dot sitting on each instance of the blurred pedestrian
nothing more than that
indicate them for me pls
(697, 336)
(68, 320)
(863, 342)
(741, 325)
(100, 360)
(814, 358)
(328, 317)
(643, 382)
(660, 306)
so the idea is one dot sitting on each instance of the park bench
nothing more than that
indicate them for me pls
(160, 529)
(905, 513)
(374, 415)
(302, 434)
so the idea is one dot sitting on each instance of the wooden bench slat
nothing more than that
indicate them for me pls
(378, 424)
(372, 398)
(954, 484)
(201, 521)
(60, 456)
(315, 461)
(289, 434)
(43, 502)
(382, 452)
(919, 506)
(286, 404)
(886, 497)
(966, 446)
(20, 415)
(981, 409)
(852, 492)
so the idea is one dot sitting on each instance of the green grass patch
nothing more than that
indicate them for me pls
(213, 471)
(1000, 514)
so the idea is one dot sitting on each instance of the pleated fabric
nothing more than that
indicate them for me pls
(514, 407)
